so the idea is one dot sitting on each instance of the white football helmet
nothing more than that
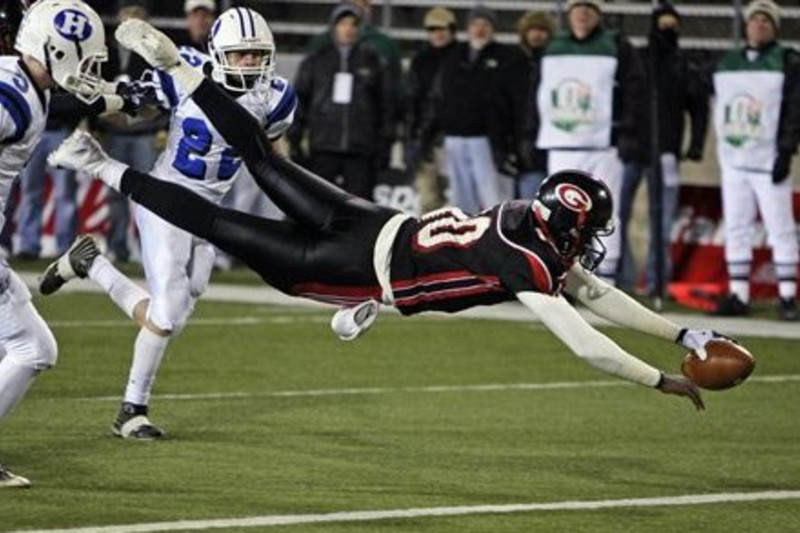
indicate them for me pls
(67, 37)
(240, 30)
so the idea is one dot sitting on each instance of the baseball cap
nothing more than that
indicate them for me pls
(439, 17)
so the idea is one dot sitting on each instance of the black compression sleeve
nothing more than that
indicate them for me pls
(170, 201)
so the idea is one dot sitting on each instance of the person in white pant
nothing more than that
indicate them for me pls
(461, 106)
(757, 121)
(178, 265)
(60, 43)
(589, 101)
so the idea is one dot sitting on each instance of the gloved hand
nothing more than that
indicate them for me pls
(696, 339)
(782, 167)
(137, 94)
(507, 164)
(694, 153)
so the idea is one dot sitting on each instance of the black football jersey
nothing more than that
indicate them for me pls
(448, 261)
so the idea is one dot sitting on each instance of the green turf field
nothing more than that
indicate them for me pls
(260, 449)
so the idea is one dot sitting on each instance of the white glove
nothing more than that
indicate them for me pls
(696, 339)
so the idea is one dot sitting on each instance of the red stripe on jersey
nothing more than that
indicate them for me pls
(338, 294)
(452, 276)
(446, 294)
(540, 273)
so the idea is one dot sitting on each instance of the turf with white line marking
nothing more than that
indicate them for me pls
(490, 387)
(433, 512)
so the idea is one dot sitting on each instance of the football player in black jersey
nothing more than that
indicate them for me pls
(341, 249)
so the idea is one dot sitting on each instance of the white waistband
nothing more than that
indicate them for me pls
(382, 256)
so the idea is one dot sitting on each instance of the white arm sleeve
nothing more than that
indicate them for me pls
(612, 304)
(585, 341)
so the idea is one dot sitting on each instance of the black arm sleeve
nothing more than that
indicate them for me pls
(67, 108)
(789, 128)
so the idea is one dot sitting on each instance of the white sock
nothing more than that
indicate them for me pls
(14, 382)
(741, 288)
(124, 292)
(147, 355)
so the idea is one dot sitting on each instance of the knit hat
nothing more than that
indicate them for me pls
(597, 4)
(439, 17)
(191, 5)
(535, 19)
(767, 7)
(483, 12)
(343, 10)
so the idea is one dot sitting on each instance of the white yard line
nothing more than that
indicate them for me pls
(433, 512)
(498, 387)
(196, 322)
(264, 295)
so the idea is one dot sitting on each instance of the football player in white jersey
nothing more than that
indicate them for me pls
(60, 42)
(177, 264)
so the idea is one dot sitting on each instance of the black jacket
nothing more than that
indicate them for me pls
(464, 96)
(789, 125)
(513, 131)
(363, 127)
(421, 76)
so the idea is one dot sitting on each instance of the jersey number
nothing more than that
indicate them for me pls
(450, 227)
(196, 143)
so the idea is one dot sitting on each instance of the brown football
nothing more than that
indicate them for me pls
(726, 365)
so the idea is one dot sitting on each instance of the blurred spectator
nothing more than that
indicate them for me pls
(32, 201)
(757, 119)
(591, 102)
(514, 132)
(385, 46)
(424, 159)
(345, 103)
(130, 140)
(200, 16)
(462, 105)
(682, 89)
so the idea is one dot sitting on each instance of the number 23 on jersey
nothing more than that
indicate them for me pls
(195, 144)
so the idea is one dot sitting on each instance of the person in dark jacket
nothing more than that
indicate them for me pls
(345, 104)
(682, 90)
(590, 104)
(461, 106)
(515, 124)
(424, 160)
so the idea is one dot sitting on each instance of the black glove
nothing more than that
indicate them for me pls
(694, 153)
(782, 168)
(507, 164)
(629, 149)
(137, 94)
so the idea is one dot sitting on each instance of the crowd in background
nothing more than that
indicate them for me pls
(480, 122)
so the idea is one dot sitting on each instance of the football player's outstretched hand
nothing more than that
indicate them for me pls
(696, 339)
(682, 387)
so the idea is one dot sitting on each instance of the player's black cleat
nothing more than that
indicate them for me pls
(732, 306)
(787, 310)
(132, 423)
(74, 263)
(9, 480)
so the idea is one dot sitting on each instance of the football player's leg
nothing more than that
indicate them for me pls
(27, 341)
(166, 256)
(301, 194)
(739, 210)
(83, 260)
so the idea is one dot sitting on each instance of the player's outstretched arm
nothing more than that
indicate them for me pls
(613, 304)
(600, 351)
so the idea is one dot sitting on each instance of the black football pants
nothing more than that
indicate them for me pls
(329, 240)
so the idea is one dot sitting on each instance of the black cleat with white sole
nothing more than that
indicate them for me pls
(74, 263)
(132, 423)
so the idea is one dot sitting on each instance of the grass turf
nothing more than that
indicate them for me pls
(260, 454)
